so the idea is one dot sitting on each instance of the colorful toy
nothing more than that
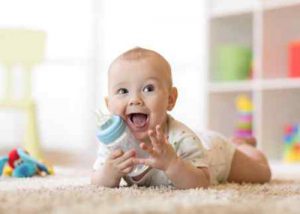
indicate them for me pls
(18, 163)
(244, 121)
(292, 143)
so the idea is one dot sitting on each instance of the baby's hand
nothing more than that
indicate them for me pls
(119, 163)
(161, 152)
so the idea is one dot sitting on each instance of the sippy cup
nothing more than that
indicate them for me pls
(114, 134)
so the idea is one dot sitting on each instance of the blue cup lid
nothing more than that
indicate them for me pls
(111, 129)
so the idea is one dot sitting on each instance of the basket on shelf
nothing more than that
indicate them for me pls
(233, 62)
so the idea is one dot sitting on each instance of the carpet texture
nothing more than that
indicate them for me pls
(69, 191)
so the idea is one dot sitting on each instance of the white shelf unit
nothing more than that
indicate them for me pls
(266, 26)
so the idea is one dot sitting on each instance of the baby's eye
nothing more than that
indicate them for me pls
(148, 88)
(122, 91)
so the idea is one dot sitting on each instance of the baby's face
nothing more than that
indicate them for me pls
(139, 92)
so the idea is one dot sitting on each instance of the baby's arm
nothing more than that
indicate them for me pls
(184, 175)
(115, 167)
(162, 156)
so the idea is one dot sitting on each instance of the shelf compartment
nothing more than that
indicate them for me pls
(281, 26)
(277, 4)
(222, 112)
(233, 30)
(233, 86)
(279, 107)
(255, 85)
(281, 83)
(221, 8)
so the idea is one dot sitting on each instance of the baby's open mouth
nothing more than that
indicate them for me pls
(138, 120)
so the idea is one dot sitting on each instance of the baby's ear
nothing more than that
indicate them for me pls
(172, 98)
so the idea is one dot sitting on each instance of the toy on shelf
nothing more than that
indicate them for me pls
(233, 62)
(244, 121)
(294, 59)
(292, 143)
(18, 163)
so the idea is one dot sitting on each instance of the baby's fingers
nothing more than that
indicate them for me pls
(154, 140)
(126, 165)
(147, 149)
(127, 170)
(125, 156)
(115, 154)
(159, 133)
(144, 161)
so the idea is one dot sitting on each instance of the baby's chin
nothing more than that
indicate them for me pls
(141, 136)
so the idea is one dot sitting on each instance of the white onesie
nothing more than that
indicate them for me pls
(207, 149)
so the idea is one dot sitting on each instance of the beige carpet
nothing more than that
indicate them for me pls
(69, 191)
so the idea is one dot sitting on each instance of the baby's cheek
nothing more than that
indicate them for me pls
(160, 119)
(115, 107)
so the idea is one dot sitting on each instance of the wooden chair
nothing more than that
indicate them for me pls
(26, 49)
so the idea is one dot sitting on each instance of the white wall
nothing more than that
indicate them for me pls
(62, 82)
(83, 36)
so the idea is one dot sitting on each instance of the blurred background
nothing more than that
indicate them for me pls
(81, 38)
(236, 66)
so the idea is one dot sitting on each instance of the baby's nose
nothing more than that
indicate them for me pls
(136, 101)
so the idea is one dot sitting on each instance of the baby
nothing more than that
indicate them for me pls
(140, 90)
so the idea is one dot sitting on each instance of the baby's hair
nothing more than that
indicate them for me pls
(139, 53)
